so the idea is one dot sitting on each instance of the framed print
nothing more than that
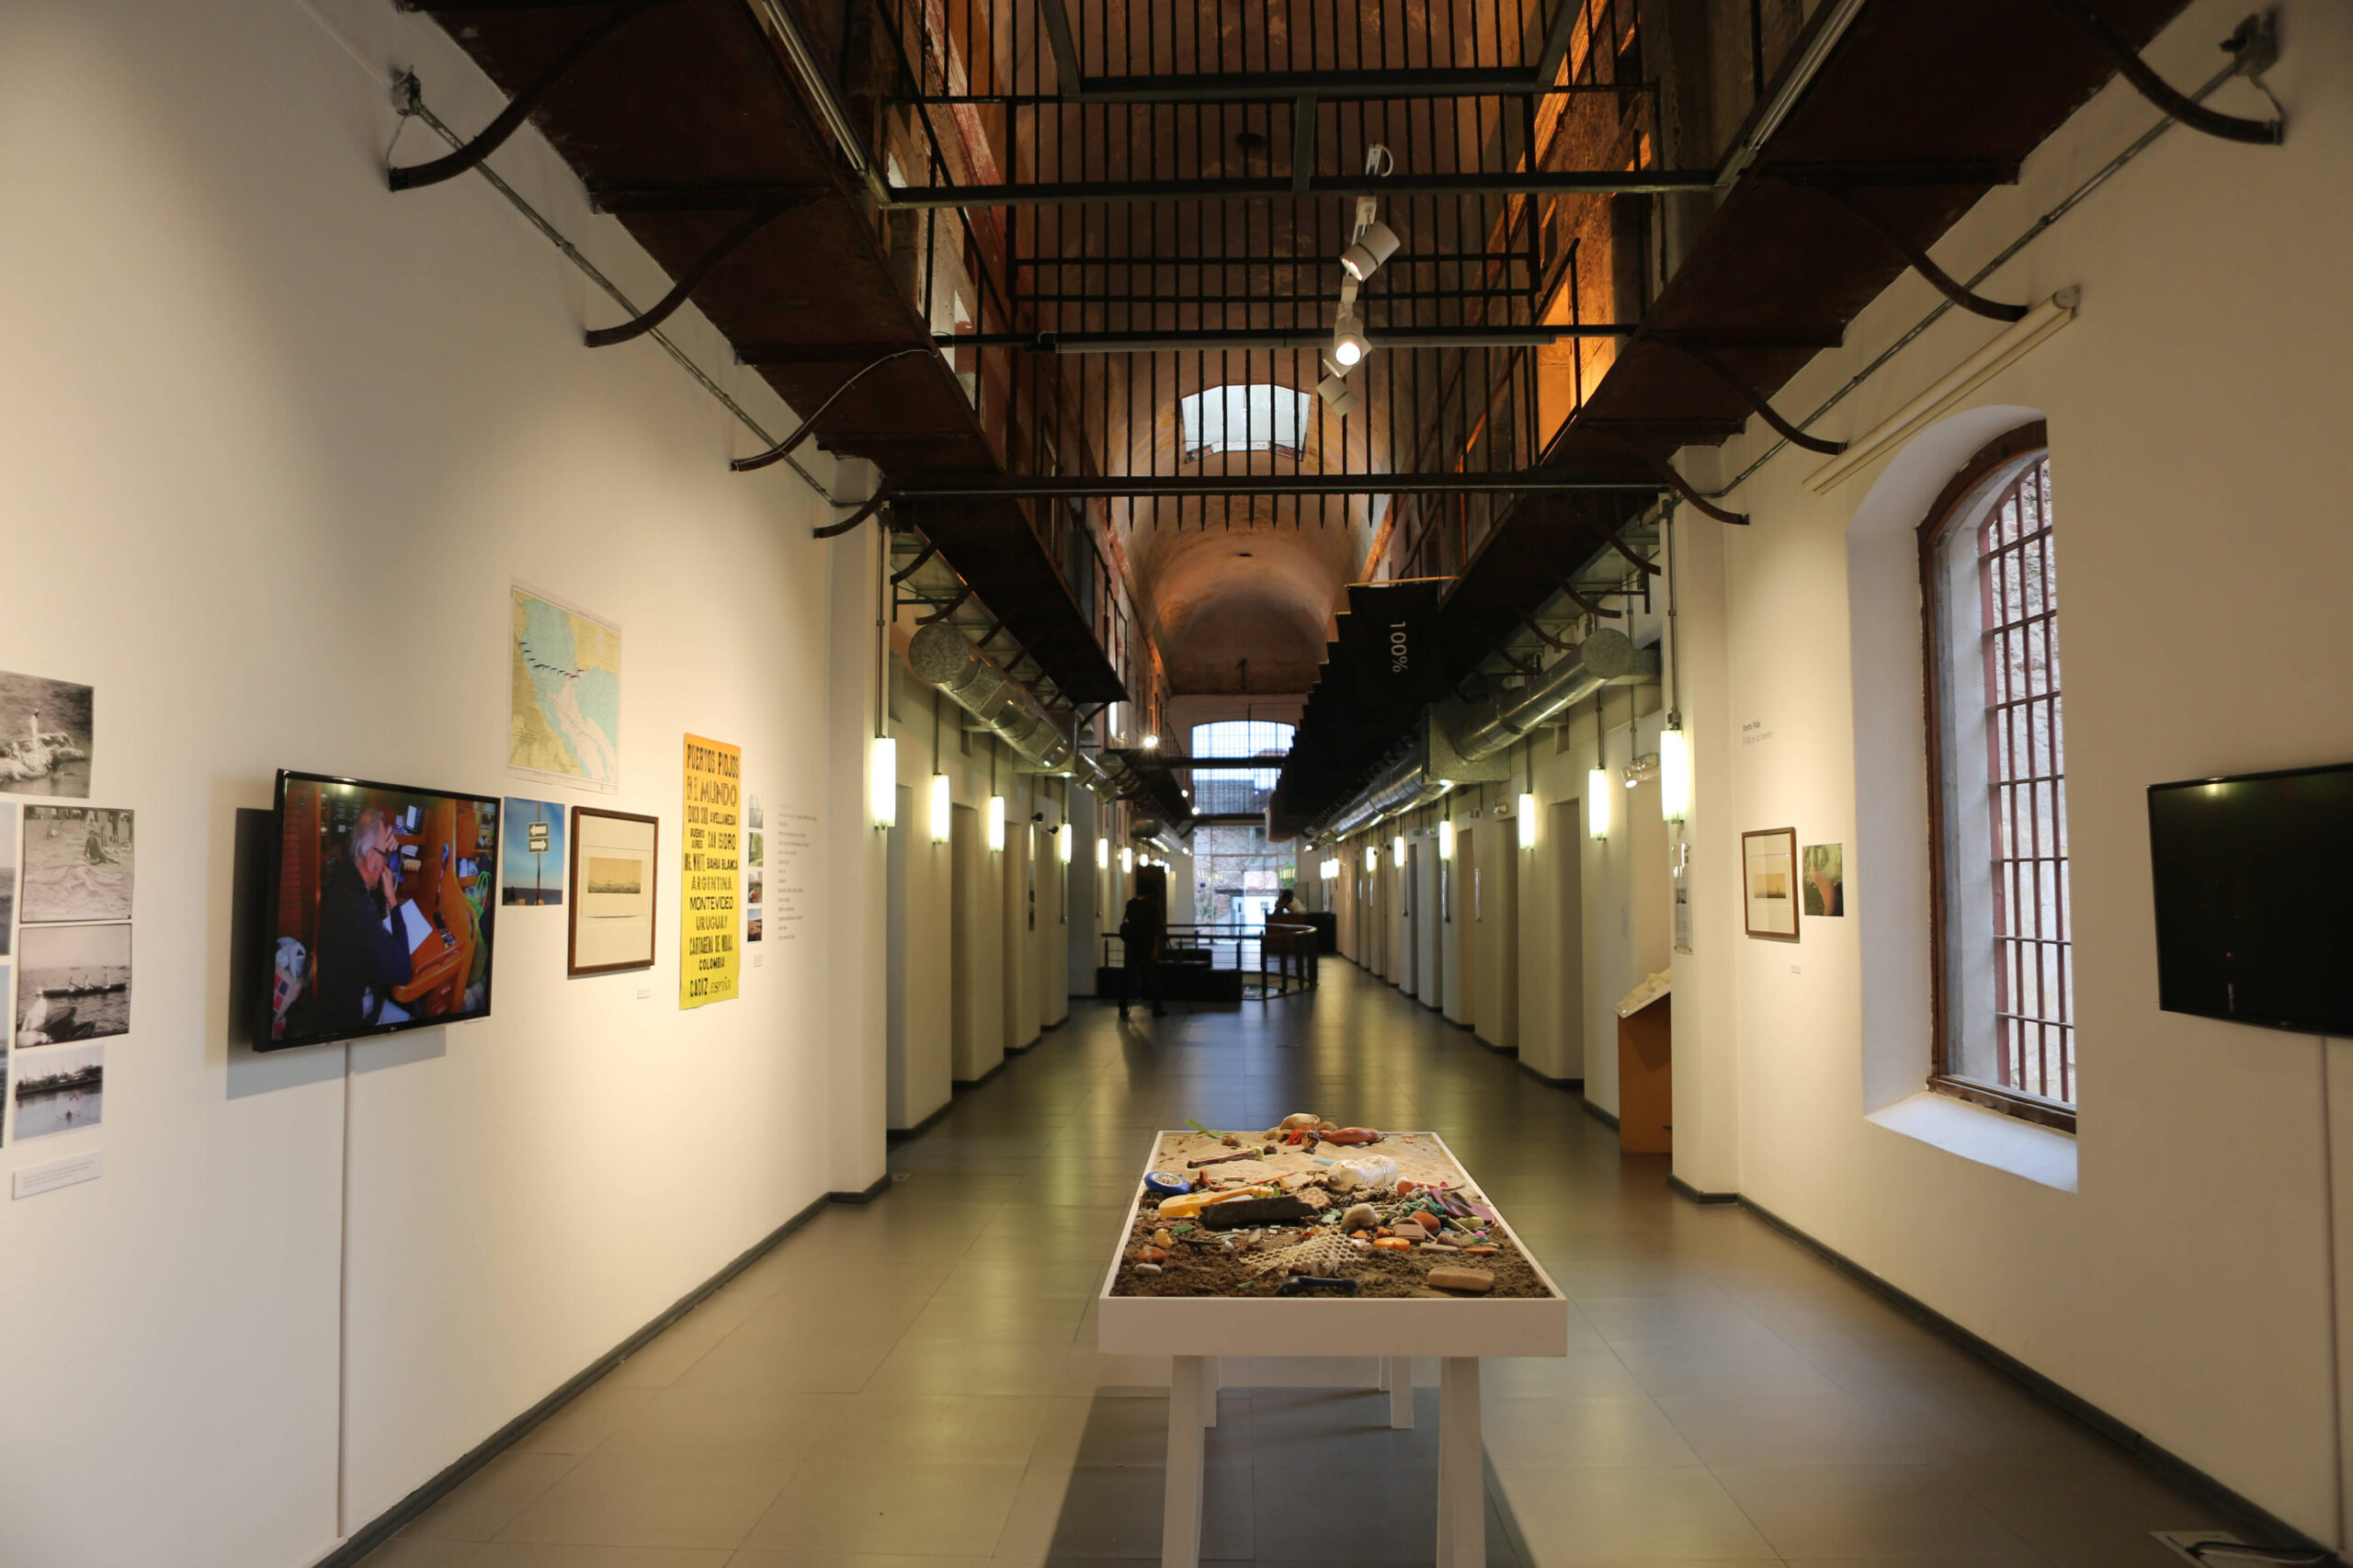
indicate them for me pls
(613, 863)
(1768, 862)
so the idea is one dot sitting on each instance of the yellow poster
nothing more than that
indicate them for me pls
(709, 876)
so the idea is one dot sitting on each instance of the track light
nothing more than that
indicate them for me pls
(1338, 394)
(1348, 343)
(1376, 244)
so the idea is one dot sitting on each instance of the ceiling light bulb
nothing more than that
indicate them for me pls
(1376, 244)
(1349, 344)
(1150, 741)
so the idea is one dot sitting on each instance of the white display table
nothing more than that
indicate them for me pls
(1196, 1329)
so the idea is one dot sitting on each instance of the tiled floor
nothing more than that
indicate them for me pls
(915, 1381)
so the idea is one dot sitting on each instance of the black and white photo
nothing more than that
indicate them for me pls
(73, 983)
(78, 864)
(46, 735)
(60, 1090)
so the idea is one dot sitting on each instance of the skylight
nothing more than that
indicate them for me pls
(1243, 419)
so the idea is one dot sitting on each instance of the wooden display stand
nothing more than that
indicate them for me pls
(1196, 1330)
(1646, 1079)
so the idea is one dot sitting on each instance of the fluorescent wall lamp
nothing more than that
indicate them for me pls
(1527, 813)
(1127, 858)
(996, 821)
(1674, 775)
(1064, 843)
(1331, 868)
(1102, 854)
(1446, 841)
(1397, 851)
(883, 782)
(1372, 857)
(1596, 803)
(943, 809)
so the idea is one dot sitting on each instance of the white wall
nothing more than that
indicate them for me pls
(273, 442)
(2194, 410)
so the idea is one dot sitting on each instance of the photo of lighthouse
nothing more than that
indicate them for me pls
(45, 736)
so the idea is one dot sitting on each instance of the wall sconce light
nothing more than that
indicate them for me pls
(1526, 812)
(1102, 854)
(1397, 851)
(1331, 868)
(1127, 861)
(1372, 857)
(883, 782)
(996, 821)
(943, 809)
(1445, 840)
(1065, 841)
(1596, 803)
(1674, 775)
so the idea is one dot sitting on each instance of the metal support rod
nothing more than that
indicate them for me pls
(1055, 17)
(784, 449)
(874, 504)
(2171, 101)
(1302, 144)
(413, 176)
(1249, 337)
(1079, 193)
(1676, 483)
(1946, 284)
(944, 611)
(1587, 604)
(1025, 486)
(692, 278)
(912, 567)
(1756, 400)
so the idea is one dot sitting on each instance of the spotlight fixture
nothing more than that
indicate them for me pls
(1376, 242)
(1349, 342)
(1338, 394)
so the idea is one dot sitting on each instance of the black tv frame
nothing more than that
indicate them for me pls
(265, 954)
(2324, 1028)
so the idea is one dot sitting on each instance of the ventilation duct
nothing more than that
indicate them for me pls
(944, 657)
(1604, 658)
(1453, 747)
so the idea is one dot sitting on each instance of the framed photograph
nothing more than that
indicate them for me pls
(1769, 860)
(614, 855)
(78, 864)
(1826, 879)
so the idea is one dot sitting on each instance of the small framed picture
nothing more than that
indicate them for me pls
(614, 855)
(1769, 860)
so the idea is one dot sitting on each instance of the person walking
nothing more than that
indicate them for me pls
(1141, 933)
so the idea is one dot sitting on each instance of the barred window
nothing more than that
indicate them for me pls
(2005, 1026)
(1243, 419)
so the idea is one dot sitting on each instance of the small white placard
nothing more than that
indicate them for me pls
(34, 1180)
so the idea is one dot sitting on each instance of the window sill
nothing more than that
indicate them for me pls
(2040, 1155)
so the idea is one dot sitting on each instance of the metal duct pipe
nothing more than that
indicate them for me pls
(1401, 785)
(943, 657)
(1604, 656)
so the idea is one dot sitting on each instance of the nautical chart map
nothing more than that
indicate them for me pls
(566, 719)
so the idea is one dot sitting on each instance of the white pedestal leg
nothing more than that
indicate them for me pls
(1180, 1522)
(1213, 1381)
(1397, 1377)
(1461, 1476)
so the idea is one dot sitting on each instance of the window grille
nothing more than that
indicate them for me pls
(2026, 773)
(1225, 792)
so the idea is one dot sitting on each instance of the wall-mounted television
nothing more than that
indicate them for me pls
(379, 910)
(2254, 880)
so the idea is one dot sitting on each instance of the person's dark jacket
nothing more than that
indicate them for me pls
(356, 954)
(1140, 931)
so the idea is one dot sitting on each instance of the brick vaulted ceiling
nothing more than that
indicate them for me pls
(1117, 203)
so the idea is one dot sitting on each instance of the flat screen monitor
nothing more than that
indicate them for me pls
(2255, 898)
(379, 910)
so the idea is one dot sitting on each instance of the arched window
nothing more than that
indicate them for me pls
(1243, 419)
(1228, 792)
(2005, 1017)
